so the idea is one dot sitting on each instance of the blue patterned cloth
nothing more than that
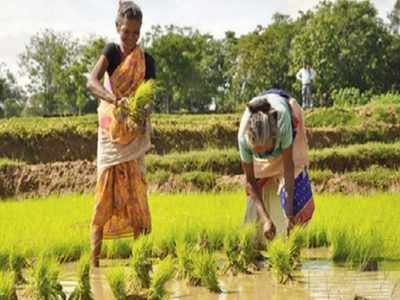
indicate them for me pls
(302, 197)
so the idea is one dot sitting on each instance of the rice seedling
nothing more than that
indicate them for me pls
(117, 249)
(116, 280)
(135, 106)
(7, 286)
(16, 265)
(296, 241)
(164, 272)
(205, 271)
(43, 282)
(83, 290)
(164, 244)
(232, 252)
(184, 260)
(366, 249)
(248, 253)
(280, 260)
(141, 264)
(341, 243)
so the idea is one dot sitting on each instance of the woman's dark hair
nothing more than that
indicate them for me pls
(128, 10)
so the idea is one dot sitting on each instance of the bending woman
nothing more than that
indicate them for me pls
(121, 191)
(274, 154)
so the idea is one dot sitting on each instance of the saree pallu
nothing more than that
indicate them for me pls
(121, 191)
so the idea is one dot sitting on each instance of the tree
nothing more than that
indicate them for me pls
(46, 61)
(348, 46)
(57, 64)
(263, 59)
(394, 17)
(12, 97)
(188, 68)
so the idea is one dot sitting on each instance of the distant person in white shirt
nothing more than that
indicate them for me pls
(306, 75)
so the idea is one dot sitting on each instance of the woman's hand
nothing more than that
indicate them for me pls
(269, 230)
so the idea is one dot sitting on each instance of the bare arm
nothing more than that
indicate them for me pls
(94, 81)
(288, 173)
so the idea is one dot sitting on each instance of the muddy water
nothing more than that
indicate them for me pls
(318, 279)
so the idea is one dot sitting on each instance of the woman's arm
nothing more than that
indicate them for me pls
(94, 81)
(255, 192)
(288, 173)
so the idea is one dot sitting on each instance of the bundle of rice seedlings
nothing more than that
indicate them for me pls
(136, 104)
(83, 291)
(16, 264)
(116, 280)
(141, 264)
(7, 286)
(296, 241)
(164, 272)
(43, 282)
(184, 260)
(248, 253)
(280, 260)
(165, 245)
(232, 252)
(205, 271)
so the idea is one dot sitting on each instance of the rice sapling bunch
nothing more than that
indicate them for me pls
(82, 291)
(232, 252)
(164, 272)
(7, 286)
(296, 241)
(16, 264)
(43, 282)
(280, 261)
(184, 259)
(205, 271)
(141, 264)
(135, 108)
(116, 280)
(248, 254)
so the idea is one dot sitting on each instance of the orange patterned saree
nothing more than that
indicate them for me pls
(121, 191)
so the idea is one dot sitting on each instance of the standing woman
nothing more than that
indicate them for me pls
(274, 154)
(121, 191)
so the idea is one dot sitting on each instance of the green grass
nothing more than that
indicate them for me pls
(60, 225)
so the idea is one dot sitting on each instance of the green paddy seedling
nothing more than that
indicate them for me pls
(141, 263)
(7, 286)
(83, 290)
(116, 280)
(164, 271)
(205, 271)
(280, 260)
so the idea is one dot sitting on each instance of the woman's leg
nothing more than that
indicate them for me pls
(96, 240)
